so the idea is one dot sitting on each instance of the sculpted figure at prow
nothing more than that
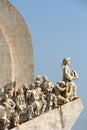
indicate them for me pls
(68, 77)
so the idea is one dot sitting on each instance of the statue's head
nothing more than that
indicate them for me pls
(5, 97)
(66, 61)
(38, 77)
(45, 78)
(25, 86)
(61, 83)
(20, 91)
(32, 86)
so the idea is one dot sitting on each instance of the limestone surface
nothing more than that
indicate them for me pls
(16, 51)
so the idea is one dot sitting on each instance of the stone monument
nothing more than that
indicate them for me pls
(16, 51)
(27, 103)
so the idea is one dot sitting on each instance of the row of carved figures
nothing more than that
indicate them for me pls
(34, 99)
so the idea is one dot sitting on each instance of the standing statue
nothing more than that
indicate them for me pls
(25, 88)
(4, 122)
(20, 104)
(10, 110)
(46, 85)
(68, 77)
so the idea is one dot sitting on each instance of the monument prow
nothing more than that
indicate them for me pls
(62, 118)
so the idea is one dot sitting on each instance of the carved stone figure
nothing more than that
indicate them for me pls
(51, 101)
(71, 90)
(20, 104)
(25, 88)
(68, 76)
(38, 104)
(46, 85)
(60, 89)
(10, 111)
(60, 92)
(20, 100)
(33, 97)
(4, 122)
(38, 78)
(37, 86)
(29, 93)
(32, 86)
(42, 103)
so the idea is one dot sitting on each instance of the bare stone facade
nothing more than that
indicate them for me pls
(16, 51)
(5, 61)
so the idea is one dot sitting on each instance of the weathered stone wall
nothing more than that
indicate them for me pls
(5, 61)
(17, 47)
